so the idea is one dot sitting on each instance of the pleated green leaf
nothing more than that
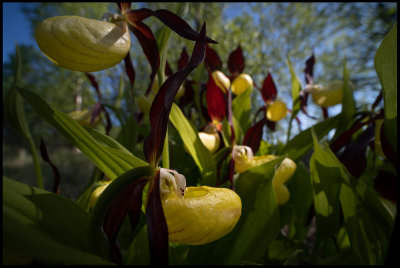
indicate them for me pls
(368, 223)
(303, 142)
(112, 161)
(386, 67)
(189, 135)
(43, 228)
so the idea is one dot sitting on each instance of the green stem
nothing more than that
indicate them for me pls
(165, 152)
(36, 163)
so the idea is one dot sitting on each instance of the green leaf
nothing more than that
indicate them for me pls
(189, 135)
(42, 227)
(296, 88)
(326, 179)
(111, 161)
(348, 104)
(303, 142)
(295, 211)
(386, 68)
(241, 108)
(368, 223)
(348, 107)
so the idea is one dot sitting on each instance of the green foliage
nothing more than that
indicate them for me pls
(331, 217)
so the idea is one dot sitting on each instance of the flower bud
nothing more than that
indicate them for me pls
(210, 141)
(276, 110)
(221, 80)
(84, 117)
(82, 44)
(241, 83)
(327, 96)
(144, 104)
(201, 214)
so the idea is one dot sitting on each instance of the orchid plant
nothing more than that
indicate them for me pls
(237, 201)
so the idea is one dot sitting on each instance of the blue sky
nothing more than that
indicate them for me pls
(15, 28)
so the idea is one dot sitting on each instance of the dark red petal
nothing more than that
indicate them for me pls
(308, 70)
(157, 228)
(168, 70)
(184, 59)
(236, 61)
(94, 83)
(271, 125)
(45, 157)
(344, 138)
(386, 184)
(162, 103)
(128, 201)
(216, 103)
(188, 97)
(354, 155)
(387, 149)
(150, 49)
(254, 134)
(130, 72)
(138, 15)
(178, 25)
(212, 60)
(325, 112)
(231, 171)
(268, 90)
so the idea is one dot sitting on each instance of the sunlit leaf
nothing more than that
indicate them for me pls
(296, 88)
(109, 160)
(241, 108)
(386, 67)
(189, 135)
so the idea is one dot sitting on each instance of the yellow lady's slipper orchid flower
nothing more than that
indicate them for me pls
(244, 159)
(221, 80)
(276, 110)
(284, 171)
(241, 83)
(197, 215)
(82, 44)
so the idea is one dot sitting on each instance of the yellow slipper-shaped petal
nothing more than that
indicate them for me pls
(203, 215)
(283, 172)
(197, 215)
(82, 44)
(241, 83)
(276, 111)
